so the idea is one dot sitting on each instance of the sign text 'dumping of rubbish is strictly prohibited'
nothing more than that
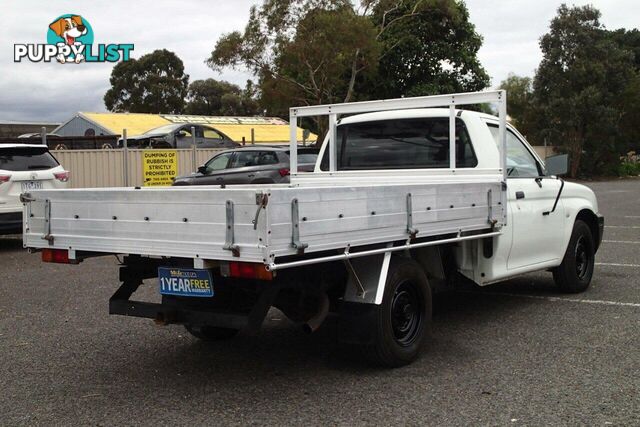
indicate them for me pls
(159, 167)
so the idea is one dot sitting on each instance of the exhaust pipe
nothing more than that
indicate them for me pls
(316, 320)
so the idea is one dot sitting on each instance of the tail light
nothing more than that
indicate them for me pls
(247, 270)
(62, 176)
(4, 178)
(60, 256)
(283, 172)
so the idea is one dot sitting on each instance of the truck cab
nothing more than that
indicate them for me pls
(541, 208)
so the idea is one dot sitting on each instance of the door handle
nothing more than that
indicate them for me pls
(251, 175)
(219, 178)
(519, 195)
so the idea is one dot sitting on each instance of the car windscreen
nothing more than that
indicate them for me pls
(162, 129)
(26, 158)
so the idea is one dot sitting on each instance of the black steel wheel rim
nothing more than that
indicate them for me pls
(406, 314)
(583, 259)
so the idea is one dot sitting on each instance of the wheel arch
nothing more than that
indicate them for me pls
(591, 219)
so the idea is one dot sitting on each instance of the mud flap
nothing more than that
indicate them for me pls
(367, 278)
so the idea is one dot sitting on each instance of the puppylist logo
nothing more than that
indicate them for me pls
(70, 41)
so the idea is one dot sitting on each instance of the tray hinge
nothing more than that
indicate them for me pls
(47, 222)
(295, 228)
(490, 218)
(410, 230)
(229, 244)
(262, 199)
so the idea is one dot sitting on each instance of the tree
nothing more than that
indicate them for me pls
(211, 97)
(327, 51)
(578, 86)
(520, 104)
(154, 83)
(429, 47)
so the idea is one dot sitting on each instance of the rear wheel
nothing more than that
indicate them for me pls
(575, 272)
(211, 333)
(402, 321)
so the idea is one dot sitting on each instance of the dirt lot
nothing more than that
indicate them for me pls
(517, 353)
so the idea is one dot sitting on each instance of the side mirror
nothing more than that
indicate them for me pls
(202, 169)
(557, 165)
(181, 134)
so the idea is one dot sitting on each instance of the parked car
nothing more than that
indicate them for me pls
(25, 167)
(178, 135)
(250, 165)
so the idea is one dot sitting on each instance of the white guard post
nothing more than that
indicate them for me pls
(366, 284)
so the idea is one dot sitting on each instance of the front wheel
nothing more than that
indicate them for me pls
(575, 272)
(211, 333)
(402, 322)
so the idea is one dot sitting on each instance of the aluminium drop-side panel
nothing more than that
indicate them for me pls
(192, 222)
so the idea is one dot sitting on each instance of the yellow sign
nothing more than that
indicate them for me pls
(159, 167)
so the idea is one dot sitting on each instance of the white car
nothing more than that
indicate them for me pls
(25, 167)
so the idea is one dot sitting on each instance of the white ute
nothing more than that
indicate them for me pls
(393, 212)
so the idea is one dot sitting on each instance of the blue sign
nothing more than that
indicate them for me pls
(185, 282)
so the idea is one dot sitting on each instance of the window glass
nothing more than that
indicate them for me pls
(26, 158)
(307, 158)
(212, 134)
(520, 162)
(186, 131)
(267, 158)
(219, 162)
(245, 158)
(401, 144)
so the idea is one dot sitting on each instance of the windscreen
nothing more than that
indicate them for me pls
(26, 158)
(401, 144)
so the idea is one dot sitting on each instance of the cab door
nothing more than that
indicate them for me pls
(537, 233)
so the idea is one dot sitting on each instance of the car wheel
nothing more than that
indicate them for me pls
(403, 320)
(211, 333)
(575, 273)
(60, 147)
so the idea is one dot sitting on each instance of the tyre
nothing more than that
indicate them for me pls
(211, 333)
(575, 272)
(403, 320)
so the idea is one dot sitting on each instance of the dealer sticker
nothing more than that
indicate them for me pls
(185, 282)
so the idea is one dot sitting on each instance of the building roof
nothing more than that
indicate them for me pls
(266, 129)
(16, 122)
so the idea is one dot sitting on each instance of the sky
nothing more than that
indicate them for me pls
(51, 92)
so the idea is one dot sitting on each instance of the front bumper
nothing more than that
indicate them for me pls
(600, 230)
(10, 222)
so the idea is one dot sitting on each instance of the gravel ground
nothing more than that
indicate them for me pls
(516, 353)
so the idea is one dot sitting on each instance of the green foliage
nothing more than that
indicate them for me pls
(154, 83)
(582, 89)
(211, 97)
(429, 47)
(326, 51)
(629, 164)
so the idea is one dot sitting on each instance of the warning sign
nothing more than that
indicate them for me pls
(159, 167)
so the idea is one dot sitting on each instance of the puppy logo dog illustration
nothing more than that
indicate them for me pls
(69, 29)
(70, 40)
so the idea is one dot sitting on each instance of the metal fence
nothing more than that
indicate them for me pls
(106, 168)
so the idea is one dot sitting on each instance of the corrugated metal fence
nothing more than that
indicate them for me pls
(105, 168)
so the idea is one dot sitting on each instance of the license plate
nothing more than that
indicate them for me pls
(31, 185)
(185, 282)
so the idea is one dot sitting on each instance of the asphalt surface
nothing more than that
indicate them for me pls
(517, 353)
